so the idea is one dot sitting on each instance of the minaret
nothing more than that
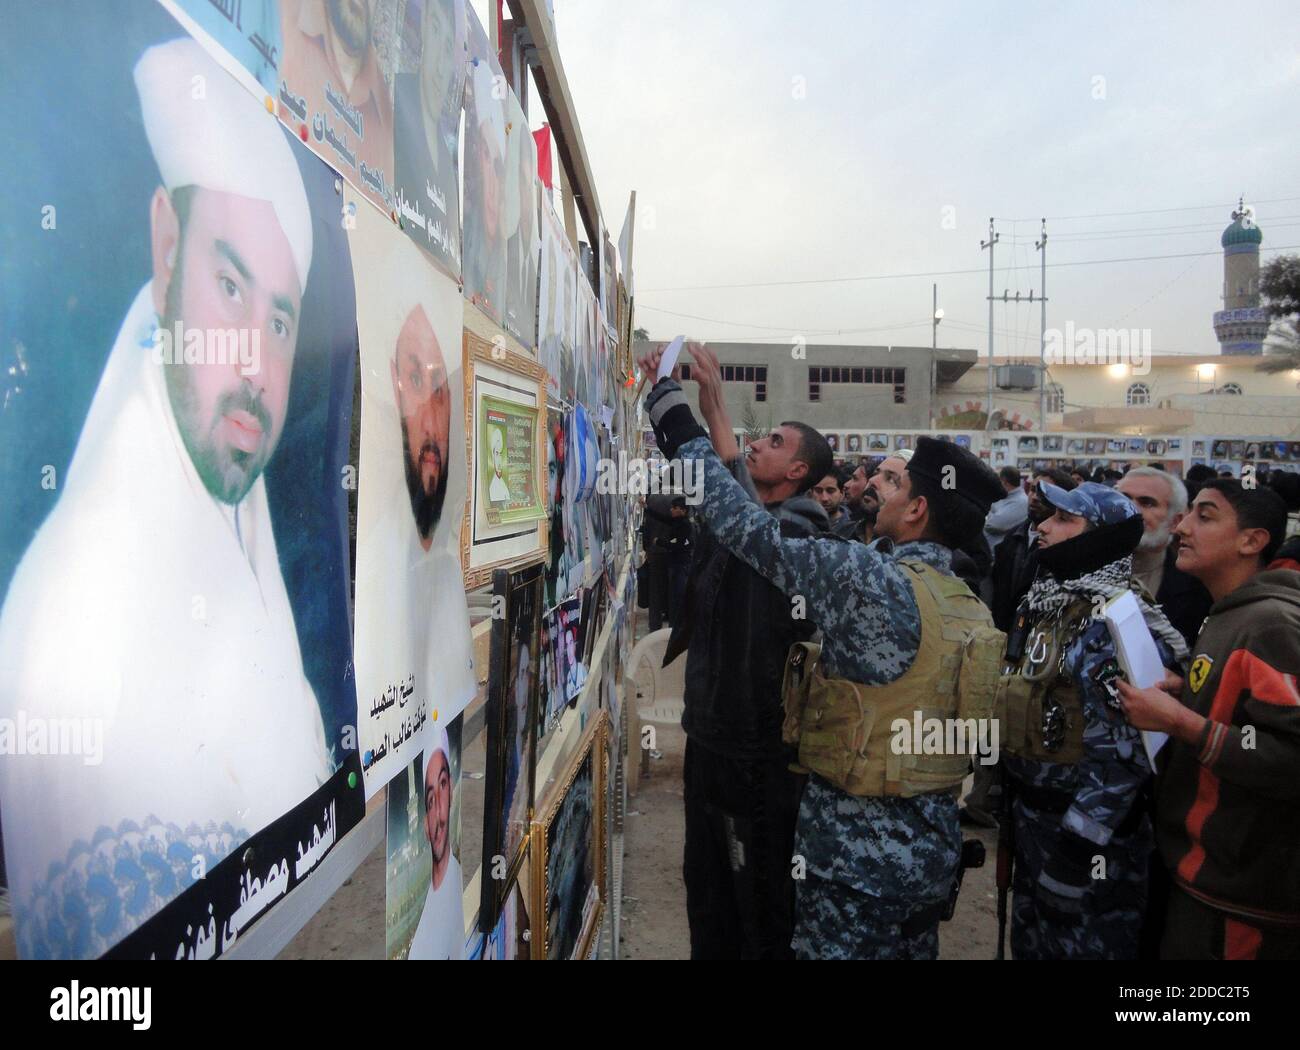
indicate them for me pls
(1242, 325)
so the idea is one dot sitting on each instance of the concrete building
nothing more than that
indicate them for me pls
(832, 387)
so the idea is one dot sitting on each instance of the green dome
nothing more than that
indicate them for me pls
(1238, 233)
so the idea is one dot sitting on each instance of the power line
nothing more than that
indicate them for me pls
(927, 274)
(1150, 211)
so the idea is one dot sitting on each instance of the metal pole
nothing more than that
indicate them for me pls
(988, 408)
(934, 348)
(1042, 338)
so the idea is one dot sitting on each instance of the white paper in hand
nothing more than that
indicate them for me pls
(671, 352)
(1138, 656)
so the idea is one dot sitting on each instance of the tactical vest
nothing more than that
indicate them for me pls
(845, 731)
(1038, 703)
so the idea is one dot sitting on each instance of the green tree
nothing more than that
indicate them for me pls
(1279, 288)
(749, 422)
(640, 334)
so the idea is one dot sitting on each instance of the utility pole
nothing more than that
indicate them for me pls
(988, 407)
(1041, 245)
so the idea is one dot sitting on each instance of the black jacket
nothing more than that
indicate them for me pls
(1014, 564)
(736, 630)
(1183, 598)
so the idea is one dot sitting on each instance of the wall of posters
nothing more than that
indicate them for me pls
(428, 90)
(414, 657)
(485, 233)
(336, 87)
(174, 568)
(424, 910)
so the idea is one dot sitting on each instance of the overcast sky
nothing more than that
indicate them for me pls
(779, 142)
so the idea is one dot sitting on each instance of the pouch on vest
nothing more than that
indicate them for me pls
(1041, 720)
(799, 664)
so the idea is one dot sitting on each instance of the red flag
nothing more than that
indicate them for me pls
(542, 137)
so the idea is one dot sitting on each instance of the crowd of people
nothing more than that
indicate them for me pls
(827, 608)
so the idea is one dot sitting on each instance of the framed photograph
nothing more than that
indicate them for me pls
(511, 738)
(834, 441)
(1198, 448)
(1052, 442)
(568, 854)
(902, 441)
(1096, 446)
(1137, 445)
(1116, 445)
(1027, 444)
(505, 438)
(1074, 446)
(878, 442)
(854, 443)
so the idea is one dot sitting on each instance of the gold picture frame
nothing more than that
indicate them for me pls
(590, 752)
(481, 553)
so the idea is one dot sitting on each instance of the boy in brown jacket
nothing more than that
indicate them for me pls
(1228, 793)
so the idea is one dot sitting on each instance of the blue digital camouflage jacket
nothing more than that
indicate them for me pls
(902, 851)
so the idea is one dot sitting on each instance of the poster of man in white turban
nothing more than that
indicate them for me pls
(175, 700)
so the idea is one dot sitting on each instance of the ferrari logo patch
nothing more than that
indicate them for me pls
(1199, 672)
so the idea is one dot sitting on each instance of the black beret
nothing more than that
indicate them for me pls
(972, 479)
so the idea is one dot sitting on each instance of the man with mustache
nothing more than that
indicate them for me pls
(151, 599)
(441, 932)
(329, 44)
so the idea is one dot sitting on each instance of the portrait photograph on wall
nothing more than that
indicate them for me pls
(523, 242)
(483, 262)
(414, 657)
(177, 588)
(568, 853)
(424, 915)
(336, 87)
(428, 90)
(551, 310)
(510, 719)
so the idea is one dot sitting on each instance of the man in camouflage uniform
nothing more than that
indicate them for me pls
(878, 869)
(1074, 766)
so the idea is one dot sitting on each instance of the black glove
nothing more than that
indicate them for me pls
(670, 415)
(1066, 879)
